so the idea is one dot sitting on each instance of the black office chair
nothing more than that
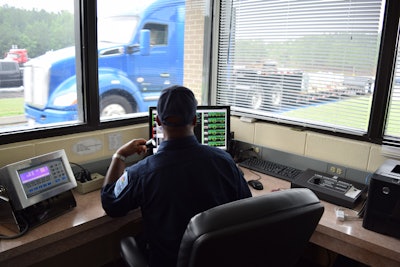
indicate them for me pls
(268, 230)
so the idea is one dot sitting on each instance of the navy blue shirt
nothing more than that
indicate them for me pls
(182, 179)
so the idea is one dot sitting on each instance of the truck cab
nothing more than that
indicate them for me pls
(135, 63)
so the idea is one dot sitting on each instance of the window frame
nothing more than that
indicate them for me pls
(87, 51)
(86, 37)
(385, 72)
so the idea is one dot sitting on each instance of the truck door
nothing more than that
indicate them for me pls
(154, 67)
(163, 66)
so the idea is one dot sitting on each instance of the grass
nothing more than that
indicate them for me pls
(393, 127)
(352, 113)
(11, 107)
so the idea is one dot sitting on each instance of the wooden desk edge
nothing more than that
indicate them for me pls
(356, 252)
(82, 224)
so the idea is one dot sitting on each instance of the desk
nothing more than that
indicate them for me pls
(85, 236)
(347, 238)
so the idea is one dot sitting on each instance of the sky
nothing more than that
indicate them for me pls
(51, 6)
(58, 5)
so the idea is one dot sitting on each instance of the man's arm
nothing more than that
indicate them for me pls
(118, 165)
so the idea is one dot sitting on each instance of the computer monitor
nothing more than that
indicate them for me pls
(212, 128)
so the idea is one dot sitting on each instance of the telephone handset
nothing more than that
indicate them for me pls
(36, 190)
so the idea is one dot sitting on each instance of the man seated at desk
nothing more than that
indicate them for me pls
(182, 179)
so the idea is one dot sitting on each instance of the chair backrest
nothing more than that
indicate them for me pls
(268, 230)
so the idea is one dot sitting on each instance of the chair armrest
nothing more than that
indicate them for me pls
(131, 253)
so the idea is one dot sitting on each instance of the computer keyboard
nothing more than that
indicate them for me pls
(271, 168)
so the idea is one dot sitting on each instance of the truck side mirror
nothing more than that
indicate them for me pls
(144, 42)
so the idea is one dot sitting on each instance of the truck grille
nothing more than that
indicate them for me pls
(36, 86)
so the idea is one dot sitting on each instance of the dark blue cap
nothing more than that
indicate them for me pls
(176, 106)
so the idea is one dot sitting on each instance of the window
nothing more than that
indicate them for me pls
(393, 124)
(158, 33)
(35, 35)
(133, 70)
(8, 66)
(392, 129)
(307, 63)
(90, 65)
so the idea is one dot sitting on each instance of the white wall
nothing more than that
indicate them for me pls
(346, 152)
(101, 145)
(359, 155)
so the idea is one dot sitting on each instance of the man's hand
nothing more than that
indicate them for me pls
(117, 165)
(134, 146)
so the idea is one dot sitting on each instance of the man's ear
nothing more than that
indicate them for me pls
(194, 121)
(158, 121)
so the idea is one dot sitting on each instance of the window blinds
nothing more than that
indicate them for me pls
(391, 139)
(310, 63)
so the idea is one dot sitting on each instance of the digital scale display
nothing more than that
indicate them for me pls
(42, 177)
(34, 174)
(35, 179)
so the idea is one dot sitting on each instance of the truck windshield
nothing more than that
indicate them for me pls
(12, 56)
(116, 29)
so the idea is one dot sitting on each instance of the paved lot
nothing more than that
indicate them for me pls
(12, 92)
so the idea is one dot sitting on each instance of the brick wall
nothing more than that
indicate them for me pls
(194, 42)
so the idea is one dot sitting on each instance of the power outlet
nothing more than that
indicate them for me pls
(92, 185)
(336, 170)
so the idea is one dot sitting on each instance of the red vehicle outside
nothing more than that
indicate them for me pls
(19, 55)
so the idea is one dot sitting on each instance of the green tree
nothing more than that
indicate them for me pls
(36, 30)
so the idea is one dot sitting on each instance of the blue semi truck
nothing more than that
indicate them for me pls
(139, 53)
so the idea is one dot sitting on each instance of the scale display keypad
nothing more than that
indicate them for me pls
(43, 177)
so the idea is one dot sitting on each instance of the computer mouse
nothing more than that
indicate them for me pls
(256, 184)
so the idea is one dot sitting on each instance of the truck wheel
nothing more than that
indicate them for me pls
(255, 96)
(273, 96)
(276, 98)
(276, 94)
(114, 105)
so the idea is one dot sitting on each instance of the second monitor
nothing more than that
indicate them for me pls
(212, 128)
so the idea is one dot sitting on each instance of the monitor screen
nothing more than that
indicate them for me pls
(212, 128)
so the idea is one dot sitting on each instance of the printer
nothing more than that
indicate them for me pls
(382, 210)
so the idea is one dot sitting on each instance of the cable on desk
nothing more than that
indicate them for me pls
(241, 154)
(256, 174)
(24, 231)
(367, 178)
(83, 175)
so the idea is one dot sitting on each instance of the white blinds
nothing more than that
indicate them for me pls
(308, 62)
(392, 129)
